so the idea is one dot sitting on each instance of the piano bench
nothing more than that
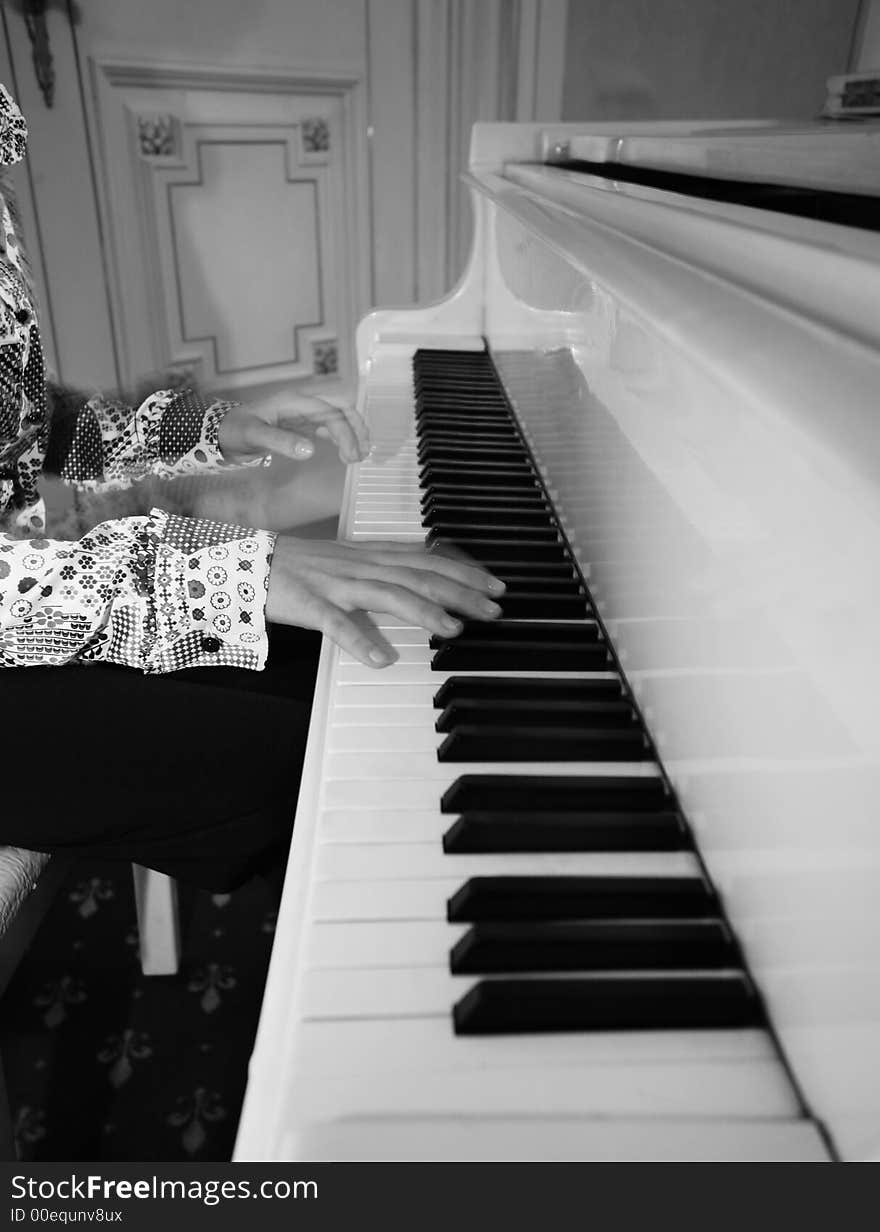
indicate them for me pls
(29, 881)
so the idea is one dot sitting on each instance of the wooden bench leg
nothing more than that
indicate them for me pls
(155, 896)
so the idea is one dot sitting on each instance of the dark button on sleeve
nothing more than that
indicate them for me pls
(22, 316)
(211, 644)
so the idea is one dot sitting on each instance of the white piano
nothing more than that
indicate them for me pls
(682, 396)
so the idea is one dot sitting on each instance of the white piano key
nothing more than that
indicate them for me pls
(392, 900)
(390, 861)
(424, 766)
(379, 944)
(400, 634)
(683, 1088)
(359, 717)
(390, 735)
(420, 795)
(412, 992)
(341, 1046)
(386, 825)
(396, 536)
(382, 900)
(372, 696)
(377, 526)
(387, 738)
(400, 794)
(491, 1139)
(414, 673)
(377, 509)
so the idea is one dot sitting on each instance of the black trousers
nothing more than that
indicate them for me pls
(194, 773)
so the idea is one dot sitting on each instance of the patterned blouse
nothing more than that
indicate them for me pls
(158, 593)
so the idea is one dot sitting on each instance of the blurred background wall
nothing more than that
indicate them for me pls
(704, 59)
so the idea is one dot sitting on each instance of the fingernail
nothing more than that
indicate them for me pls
(379, 657)
(496, 585)
(451, 625)
(491, 609)
(303, 449)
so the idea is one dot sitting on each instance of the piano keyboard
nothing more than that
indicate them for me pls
(509, 943)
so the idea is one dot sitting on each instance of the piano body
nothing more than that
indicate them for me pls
(696, 383)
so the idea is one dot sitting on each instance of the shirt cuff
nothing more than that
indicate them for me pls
(209, 589)
(207, 454)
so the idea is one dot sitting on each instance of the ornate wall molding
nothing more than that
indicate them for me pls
(123, 116)
(158, 136)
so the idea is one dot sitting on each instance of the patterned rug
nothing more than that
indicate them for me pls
(103, 1063)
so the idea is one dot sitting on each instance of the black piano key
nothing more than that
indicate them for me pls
(526, 491)
(534, 633)
(462, 533)
(468, 389)
(484, 437)
(470, 742)
(522, 689)
(486, 832)
(524, 503)
(431, 423)
(484, 419)
(601, 945)
(471, 376)
(521, 656)
(536, 571)
(581, 898)
(500, 551)
(432, 449)
(482, 373)
(475, 460)
(475, 463)
(453, 408)
(439, 409)
(496, 477)
(553, 793)
(516, 711)
(520, 495)
(483, 471)
(450, 356)
(500, 1007)
(555, 606)
(486, 515)
(467, 379)
(536, 583)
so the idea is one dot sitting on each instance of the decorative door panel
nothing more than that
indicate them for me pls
(233, 224)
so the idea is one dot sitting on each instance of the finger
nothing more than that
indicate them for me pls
(451, 551)
(439, 591)
(361, 639)
(389, 552)
(266, 438)
(359, 428)
(394, 600)
(327, 421)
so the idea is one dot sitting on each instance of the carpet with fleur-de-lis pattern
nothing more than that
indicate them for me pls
(104, 1063)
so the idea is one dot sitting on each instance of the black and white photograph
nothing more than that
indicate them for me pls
(439, 575)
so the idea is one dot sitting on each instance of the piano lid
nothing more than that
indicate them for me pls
(838, 157)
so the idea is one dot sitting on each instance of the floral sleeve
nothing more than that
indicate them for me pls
(158, 593)
(108, 444)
